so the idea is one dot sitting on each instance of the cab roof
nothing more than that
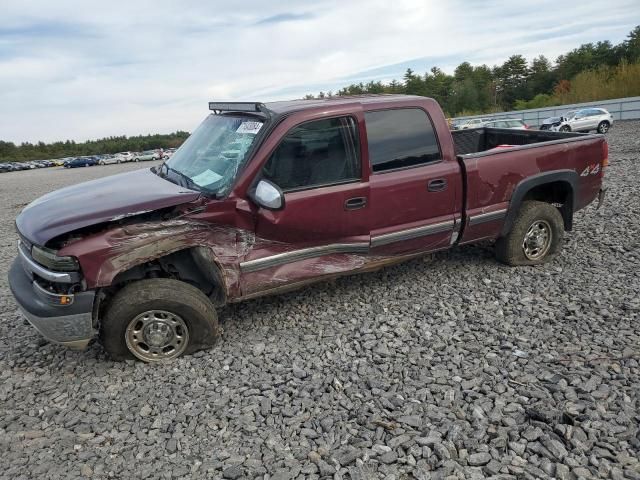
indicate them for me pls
(289, 106)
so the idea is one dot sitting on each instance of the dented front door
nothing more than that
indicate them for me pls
(324, 226)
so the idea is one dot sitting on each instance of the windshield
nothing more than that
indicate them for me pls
(570, 114)
(210, 159)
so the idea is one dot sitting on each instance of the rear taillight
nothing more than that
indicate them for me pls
(605, 154)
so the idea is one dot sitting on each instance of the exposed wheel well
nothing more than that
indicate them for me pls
(195, 266)
(559, 194)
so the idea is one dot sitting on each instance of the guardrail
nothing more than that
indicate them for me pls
(621, 109)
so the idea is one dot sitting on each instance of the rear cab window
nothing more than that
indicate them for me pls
(400, 138)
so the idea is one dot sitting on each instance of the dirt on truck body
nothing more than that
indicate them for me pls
(264, 198)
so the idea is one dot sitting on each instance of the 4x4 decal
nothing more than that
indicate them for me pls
(591, 170)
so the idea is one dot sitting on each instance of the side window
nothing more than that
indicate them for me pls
(400, 138)
(322, 152)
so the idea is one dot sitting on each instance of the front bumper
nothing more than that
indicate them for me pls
(70, 325)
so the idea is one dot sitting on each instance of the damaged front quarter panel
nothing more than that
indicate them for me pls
(106, 254)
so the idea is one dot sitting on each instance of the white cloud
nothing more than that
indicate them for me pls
(71, 69)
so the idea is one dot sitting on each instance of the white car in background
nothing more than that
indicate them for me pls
(473, 123)
(507, 123)
(121, 157)
(582, 120)
(125, 156)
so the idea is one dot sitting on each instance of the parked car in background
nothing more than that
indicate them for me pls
(472, 123)
(108, 159)
(42, 163)
(81, 162)
(61, 161)
(583, 120)
(5, 167)
(16, 166)
(167, 154)
(507, 123)
(125, 156)
(146, 156)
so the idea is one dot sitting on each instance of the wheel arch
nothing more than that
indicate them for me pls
(558, 187)
(195, 265)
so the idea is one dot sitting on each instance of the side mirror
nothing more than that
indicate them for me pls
(268, 195)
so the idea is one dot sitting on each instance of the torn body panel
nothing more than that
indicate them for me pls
(105, 255)
(243, 264)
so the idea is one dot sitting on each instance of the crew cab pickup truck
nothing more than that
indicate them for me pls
(264, 198)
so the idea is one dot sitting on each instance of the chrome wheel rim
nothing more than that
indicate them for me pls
(603, 128)
(537, 240)
(157, 335)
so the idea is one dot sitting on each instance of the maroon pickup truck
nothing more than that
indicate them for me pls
(264, 198)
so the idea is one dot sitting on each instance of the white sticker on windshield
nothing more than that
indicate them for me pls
(249, 127)
(206, 178)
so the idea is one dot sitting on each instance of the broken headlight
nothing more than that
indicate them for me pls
(49, 259)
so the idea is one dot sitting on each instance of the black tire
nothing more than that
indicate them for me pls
(136, 159)
(159, 294)
(603, 127)
(510, 249)
(565, 128)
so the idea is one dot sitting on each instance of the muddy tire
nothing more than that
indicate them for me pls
(535, 237)
(158, 320)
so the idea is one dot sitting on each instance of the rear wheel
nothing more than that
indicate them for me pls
(535, 238)
(158, 320)
(603, 127)
(136, 159)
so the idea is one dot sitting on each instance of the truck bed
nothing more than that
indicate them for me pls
(478, 141)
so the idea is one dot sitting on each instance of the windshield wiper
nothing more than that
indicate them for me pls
(188, 183)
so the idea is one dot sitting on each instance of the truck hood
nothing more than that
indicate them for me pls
(97, 201)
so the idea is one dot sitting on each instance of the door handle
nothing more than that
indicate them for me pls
(355, 203)
(437, 185)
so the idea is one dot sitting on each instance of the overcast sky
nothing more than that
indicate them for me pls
(88, 69)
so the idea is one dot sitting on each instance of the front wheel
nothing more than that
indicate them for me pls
(565, 128)
(136, 159)
(603, 127)
(535, 238)
(158, 320)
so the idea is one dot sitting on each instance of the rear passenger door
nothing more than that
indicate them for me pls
(415, 193)
(594, 116)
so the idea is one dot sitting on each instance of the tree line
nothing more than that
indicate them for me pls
(9, 152)
(593, 71)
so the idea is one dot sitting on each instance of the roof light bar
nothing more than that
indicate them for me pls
(235, 106)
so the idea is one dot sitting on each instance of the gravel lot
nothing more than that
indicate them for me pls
(455, 367)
